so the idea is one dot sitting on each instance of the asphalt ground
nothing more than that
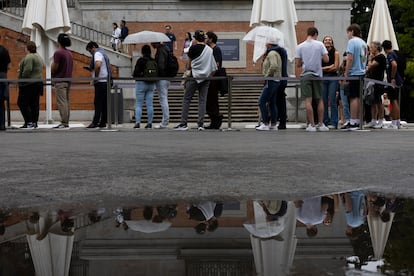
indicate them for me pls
(46, 167)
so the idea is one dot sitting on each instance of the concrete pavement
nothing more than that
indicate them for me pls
(46, 167)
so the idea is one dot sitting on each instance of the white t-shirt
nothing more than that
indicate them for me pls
(103, 73)
(310, 52)
(311, 212)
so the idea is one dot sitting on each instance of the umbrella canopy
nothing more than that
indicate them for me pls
(381, 27)
(146, 37)
(379, 232)
(280, 14)
(261, 35)
(146, 226)
(44, 20)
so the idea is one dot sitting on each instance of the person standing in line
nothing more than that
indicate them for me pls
(144, 90)
(202, 65)
(357, 55)
(280, 94)
(343, 93)
(375, 70)
(61, 67)
(161, 57)
(329, 87)
(272, 67)
(309, 56)
(4, 95)
(116, 33)
(172, 45)
(124, 34)
(30, 67)
(396, 81)
(100, 67)
(212, 106)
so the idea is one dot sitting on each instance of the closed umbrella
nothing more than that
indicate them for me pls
(44, 20)
(381, 27)
(280, 14)
(379, 232)
(146, 37)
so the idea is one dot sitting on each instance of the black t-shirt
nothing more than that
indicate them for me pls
(377, 72)
(195, 50)
(218, 56)
(4, 59)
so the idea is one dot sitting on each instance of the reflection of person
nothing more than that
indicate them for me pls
(172, 45)
(62, 68)
(100, 67)
(355, 209)
(161, 57)
(30, 67)
(207, 213)
(202, 65)
(212, 105)
(357, 53)
(329, 87)
(309, 56)
(274, 209)
(144, 90)
(272, 67)
(396, 81)
(4, 66)
(311, 212)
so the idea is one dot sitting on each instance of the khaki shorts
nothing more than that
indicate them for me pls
(311, 88)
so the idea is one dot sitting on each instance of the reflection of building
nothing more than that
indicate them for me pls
(103, 249)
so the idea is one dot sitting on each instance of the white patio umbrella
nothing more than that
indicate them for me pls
(381, 27)
(146, 226)
(261, 35)
(44, 20)
(379, 232)
(280, 14)
(146, 37)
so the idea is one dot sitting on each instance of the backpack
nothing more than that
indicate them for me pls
(150, 69)
(401, 63)
(172, 65)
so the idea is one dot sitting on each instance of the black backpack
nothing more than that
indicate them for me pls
(150, 69)
(172, 65)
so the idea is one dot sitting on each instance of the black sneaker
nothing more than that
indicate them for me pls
(345, 126)
(137, 125)
(61, 126)
(181, 127)
(352, 127)
(92, 126)
(148, 126)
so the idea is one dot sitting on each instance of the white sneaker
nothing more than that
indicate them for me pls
(273, 127)
(311, 128)
(378, 126)
(391, 127)
(322, 127)
(262, 127)
(160, 126)
(200, 128)
(371, 124)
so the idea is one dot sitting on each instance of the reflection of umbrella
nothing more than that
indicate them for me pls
(275, 256)
(146, 226)
(261, 35)
(146, 37)
(280, 14)
(381, 27)
(379, 232)
(44, 20)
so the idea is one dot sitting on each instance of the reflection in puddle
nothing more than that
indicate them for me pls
(326, 235)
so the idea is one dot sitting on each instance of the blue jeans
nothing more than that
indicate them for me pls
(162, 88)
(345, 104)
(267, 101)
(144, 91)
(329, 88)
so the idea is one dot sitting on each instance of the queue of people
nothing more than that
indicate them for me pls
(329, 103)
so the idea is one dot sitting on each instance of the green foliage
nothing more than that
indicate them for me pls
(399, 253)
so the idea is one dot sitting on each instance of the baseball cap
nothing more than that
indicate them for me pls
(199, 35)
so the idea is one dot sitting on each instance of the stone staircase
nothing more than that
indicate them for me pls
(244, 103)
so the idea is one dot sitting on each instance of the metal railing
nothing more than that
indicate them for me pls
(87, 33)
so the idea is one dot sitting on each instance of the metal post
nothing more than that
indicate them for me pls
(229, 101)
(297, 103)
(115, 105)
(361, 102)
(108, 99)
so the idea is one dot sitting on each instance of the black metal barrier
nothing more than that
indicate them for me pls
(115, 92)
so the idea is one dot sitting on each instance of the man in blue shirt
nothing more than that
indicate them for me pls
(171, 36)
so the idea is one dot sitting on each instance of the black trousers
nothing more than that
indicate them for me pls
(28, 101)
(100, 103)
